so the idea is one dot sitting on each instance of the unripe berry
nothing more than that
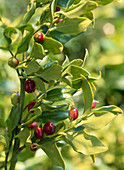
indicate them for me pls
(38, 132)
(29, 86)
(49, 128)
(94, 103)
(38, 37)
(33, 125)
(34, 146)
(13, 62)
(73, 113)
(15, 98)
(31, 105)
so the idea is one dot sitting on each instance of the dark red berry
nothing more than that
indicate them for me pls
(57, 8)
(29, 86)
(94, 103)
(38, 132)
(59, 20)
(49, 128)
(33, 125)
(31, 105)
(73, 113)
(38, 37)
(13, 62)
(15, 98)
(34, 146)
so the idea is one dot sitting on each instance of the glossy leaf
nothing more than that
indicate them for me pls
(40, 84)
(30, 67)
(84, 143)
(75, 71)
(13, 118)
(52, 45)
(8, 31)
(48, 74)
(105, 2)
(78, 24)
(3, 41)
(24, 44)
(28, 15)
(55, 94)
(23, 135)
(37, 51)
(54, 116)
(101, 117)
(88, 95)
(78, 10)
(53, 153)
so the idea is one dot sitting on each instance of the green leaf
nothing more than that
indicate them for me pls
(88, 95)
(78, 24)
(52, 45)
(3, 41)
(2, 140)
(101, 117)
(27, 27)
(53, 153)
(75, 71)
(23, 135)
(54, 116)
(24, 44)
(40, 84)
(43, 1)
(103, 2)
(55, 94)
(52, 9)
(28, 15)
(30, 67)
(8, 31)
(75, 62)
(84, 143)
(51, 73)
(13, 118)
(37, 51)
(56, 106)
(79, 9)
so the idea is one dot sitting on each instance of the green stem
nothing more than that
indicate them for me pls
(17, 130)
(7, 154)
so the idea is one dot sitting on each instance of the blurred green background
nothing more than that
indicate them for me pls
(105, 44)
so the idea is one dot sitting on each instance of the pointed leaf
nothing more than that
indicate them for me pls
(78, 24)
(84, 143)
(79, 9)
(23, 135)
(37, 51)
(52, 45)
(101, 117)
(13, 118)
(88, 95)
(24, 44)
(53, 153)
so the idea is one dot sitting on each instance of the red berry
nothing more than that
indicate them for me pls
(38, 37)
(49, 128)
(34, 146)
(13, 62)
(73, 113)
(38, 133)
(31, 105)
(33, 125)
(15, 98)
(94, 103)
(58, 8)
(29, 86)
(59, 20)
